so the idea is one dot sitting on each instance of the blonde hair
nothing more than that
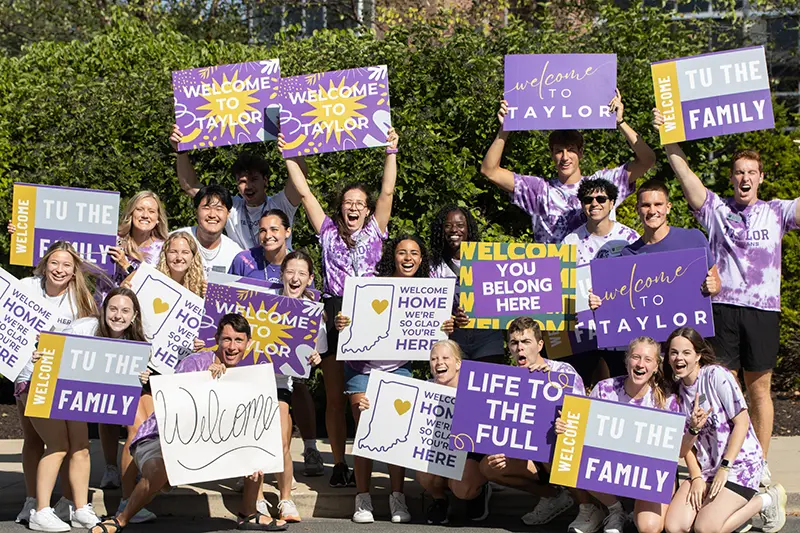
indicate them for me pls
(77, 289)
(657, 379)
(159, 232)
(452, 345)
(193, 280)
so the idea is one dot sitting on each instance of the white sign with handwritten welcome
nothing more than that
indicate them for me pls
(214, 429)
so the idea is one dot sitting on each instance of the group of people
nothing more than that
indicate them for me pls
(249, 235)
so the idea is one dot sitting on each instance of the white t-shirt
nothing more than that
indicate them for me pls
(220, 258)
(242, 225)
(86, 327)
(67, 308)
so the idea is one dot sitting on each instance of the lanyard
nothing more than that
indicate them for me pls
(249, 222)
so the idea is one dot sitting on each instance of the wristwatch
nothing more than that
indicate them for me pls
(694, 431)
(130, 269)
(725, 464)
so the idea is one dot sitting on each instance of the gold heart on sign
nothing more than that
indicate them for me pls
(380, 305)
(160, 306)
(401, 406)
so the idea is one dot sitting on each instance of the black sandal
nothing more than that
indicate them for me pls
(102, 525)
(253, 523)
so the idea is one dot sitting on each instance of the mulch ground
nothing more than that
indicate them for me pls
(787, 417)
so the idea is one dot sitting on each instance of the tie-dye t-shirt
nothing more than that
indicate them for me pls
(601, 246)
(150, 253)
(555, 208)
(560, 366)
(724, 397)
(746, 243)
(613, 389)
(339, 261)
(194, 363)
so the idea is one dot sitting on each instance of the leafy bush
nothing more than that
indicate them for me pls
(98, 114)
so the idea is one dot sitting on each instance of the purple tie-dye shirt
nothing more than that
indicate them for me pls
(746, 243)
(601, 246)
(560, 366)
(613, 389)
(724, 397)
(555, 208)
(339, 261)
(150, 253)
(194, 363)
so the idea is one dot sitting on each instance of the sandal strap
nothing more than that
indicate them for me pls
(114, 522)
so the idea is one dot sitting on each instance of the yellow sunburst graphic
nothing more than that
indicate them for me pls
(268, 331)
(338, 113)
(229, 104)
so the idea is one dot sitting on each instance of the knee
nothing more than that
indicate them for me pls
(672, 526)
(706, 526)
(650, 524)
(79, 448)
(464, 491)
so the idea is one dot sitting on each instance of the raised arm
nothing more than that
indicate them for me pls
(644, 158)
(383, 207)
(693, 188)
(490, 167)
(296, 166)
(187, 178)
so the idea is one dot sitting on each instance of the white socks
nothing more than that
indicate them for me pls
(766, 500)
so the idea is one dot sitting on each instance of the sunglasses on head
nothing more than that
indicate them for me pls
(588, 199)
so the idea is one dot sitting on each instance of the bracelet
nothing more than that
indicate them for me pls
(695, 477)
(694, 431)
(620, 123)
(391, 151)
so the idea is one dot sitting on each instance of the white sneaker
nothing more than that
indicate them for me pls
(85, 517)
(141, 517)
(25, 514)
(615, 521)
(263, 506)
(111, 479)
(589, 519)
(363, 513)
(64, 509)
(766, 476)
(46, 520)
(287, 511)
(549, 508)
(774, 516)
(398, 508)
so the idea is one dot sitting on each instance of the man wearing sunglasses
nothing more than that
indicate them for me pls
(553, 204)
(599, 238)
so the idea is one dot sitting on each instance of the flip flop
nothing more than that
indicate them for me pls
(253, 523)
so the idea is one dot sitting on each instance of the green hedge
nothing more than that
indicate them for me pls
(98, 114)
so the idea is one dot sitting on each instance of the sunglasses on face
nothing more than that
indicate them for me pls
(587, 200)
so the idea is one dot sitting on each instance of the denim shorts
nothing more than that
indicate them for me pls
(356, 382)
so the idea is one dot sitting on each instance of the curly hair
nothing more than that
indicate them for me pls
(438, 240)
(588, 186)
(386, 266)
(193, 280)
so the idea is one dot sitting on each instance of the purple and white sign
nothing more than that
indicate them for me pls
(284, 330)
(559, 91)
(334, 111)
(227, 104)
(514, 287)
(507, 409)
(651, 294)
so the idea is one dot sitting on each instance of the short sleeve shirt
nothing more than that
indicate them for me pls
(613, 389)
(601, 246)
(722, 394)
(220, 258)
(555, 208)
(339, 261)
(746, 243)
(252, 264)
(242, 225)
(560, 366)
(676, 239)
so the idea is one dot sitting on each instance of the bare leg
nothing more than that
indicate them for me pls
(519, 474)
(285, 478)
(333, 377)
(649, 516)
(109, 442)
(32, 448)
(397, 477)
(472, 481)
(434, 485)
(680, 514)
(154, 478)
(362, 465)
(56, 440)
(762, 413)
(79, 462)
(725, 512)
(129, 470)
(251, 492)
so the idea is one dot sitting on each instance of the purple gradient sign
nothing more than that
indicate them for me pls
(651, 294)
(518, 286)
(227, 104)
(334, 111)
(507, 409)
(559, 91)
(284, 330)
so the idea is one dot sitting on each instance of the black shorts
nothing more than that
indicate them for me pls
(285, 396)
(476, 456)
(477, 344)
(333, 306)
(744, 492)
(746, 337)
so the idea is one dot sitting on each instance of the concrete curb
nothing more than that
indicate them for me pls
(313, 496)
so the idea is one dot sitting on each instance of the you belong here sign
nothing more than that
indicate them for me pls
(559, 91)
